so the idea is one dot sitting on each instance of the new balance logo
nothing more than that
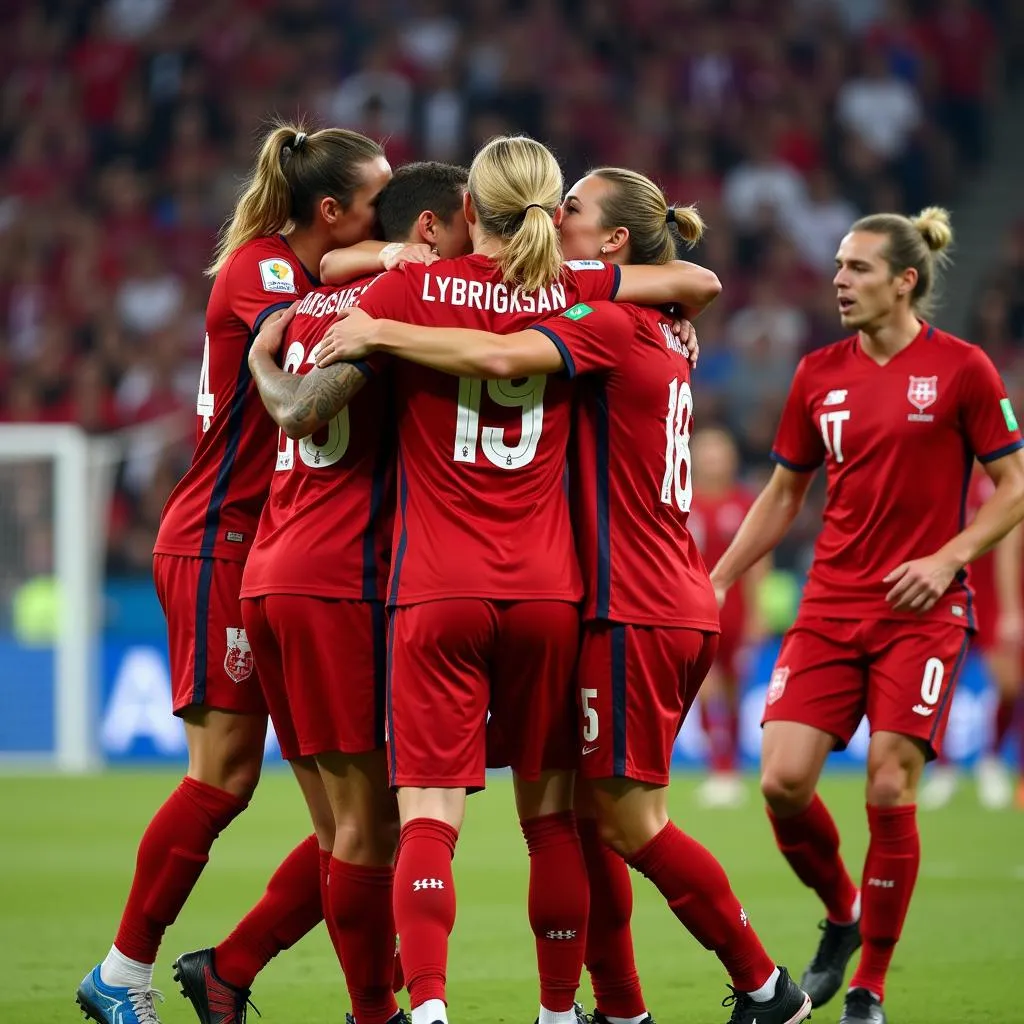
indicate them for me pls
(427, 883)
(569, 933)
(922, 710)
(835, 397)
(882, 883)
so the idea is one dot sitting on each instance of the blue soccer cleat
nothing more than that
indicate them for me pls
(109, 1004)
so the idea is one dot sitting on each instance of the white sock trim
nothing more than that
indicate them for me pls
(120, 971)
(430, 1011)
(547, 1016)
(628, 1020)
(765, 993)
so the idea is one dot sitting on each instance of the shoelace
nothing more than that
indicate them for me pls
(738, 1001)
(142, 1003)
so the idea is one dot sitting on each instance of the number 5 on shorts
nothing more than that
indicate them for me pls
(590, 723)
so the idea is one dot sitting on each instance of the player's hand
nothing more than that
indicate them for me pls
(272, 332)
(397, 255)
(687, 335)
(349, 337)
(919, 583)
(1010, 629)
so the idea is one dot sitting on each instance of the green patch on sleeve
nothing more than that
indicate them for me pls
(1008, 415)
(579, 311)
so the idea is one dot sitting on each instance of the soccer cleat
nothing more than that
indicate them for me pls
(213, 999)
(722, 790)
(939, 786)
(862, 1007)
(824, 974)
(789, 1005)
(110, 1004)
(597, 1017)
(399, 1018)
(995, 790)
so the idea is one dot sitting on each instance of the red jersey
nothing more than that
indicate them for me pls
(631, 470)
(898, 442)
(482, 509)
(214, 510)
(326, 527)
(713, 523)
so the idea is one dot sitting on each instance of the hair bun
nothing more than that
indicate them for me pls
(933, 225)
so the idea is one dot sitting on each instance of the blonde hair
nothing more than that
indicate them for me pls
(638, 205)
(919, 242)
(294, 169)
(516, 186)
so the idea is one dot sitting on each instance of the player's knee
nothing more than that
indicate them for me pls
(627, 833)
(361, 839)
(888, 783)
(786, 789)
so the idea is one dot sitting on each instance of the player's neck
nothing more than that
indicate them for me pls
(887, 340)
(309, 249)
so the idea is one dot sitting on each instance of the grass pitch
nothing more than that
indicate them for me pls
(67, 847)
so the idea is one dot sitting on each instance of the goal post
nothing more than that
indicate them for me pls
(54, 502)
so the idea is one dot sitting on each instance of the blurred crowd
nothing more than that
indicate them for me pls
(128, 125)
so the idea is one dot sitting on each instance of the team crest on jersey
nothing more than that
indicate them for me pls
(777, 686)
(238, 660)
(922, 393)
(277, 276)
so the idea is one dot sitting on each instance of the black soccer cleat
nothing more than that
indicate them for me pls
(597, 1017)
(213, 999)
(862, 1007)
(824, 974)
(399, 1018)
(790, 1004)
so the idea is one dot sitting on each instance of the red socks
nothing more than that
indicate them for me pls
(424, 905)
(609, 952)
(172, 853)
(291, 906)
(890, 871)
(360, 910)
(696, 888)
(721, 725)
(810, 842)
(559, 902)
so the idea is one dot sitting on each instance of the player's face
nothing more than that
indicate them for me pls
(356, 221)
(581, 230)
(453, 239)
(714, 459)
(866, 290)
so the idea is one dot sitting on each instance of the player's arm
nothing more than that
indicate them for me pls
(763, 527)
(753, 628)
(339, 266)
(455, 350)
(687, 285)
(299, 405)
(919, 583)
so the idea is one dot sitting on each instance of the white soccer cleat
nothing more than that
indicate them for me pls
(722, 790)
(995, 791)
(939, 787)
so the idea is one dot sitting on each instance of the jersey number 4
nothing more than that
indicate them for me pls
(204, 400)
(316, 456)
(528, 396)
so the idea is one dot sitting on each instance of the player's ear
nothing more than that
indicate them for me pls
(330, 210)
(907, 282)
(558, 215)
(615, 241)
(426, 227)
(468, 209)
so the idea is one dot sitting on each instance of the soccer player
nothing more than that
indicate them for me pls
(719, 505)
(484, 577)
(996, 578)
(897, 412)
(315, 577)
(323, 185)
(650, 618)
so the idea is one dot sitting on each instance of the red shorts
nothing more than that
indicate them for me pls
(211, 661)
(450, 661)
(636, 684)
(832, 672)
(322, 666)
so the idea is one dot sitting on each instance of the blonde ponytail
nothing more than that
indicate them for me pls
(293, 170)
(516, 186)
(637, 204)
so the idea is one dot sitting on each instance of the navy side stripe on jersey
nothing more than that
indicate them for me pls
(403, 539)
(604, 540)
(236, 421)
(619, 700)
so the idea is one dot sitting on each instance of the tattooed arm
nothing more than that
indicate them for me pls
(299, 405)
